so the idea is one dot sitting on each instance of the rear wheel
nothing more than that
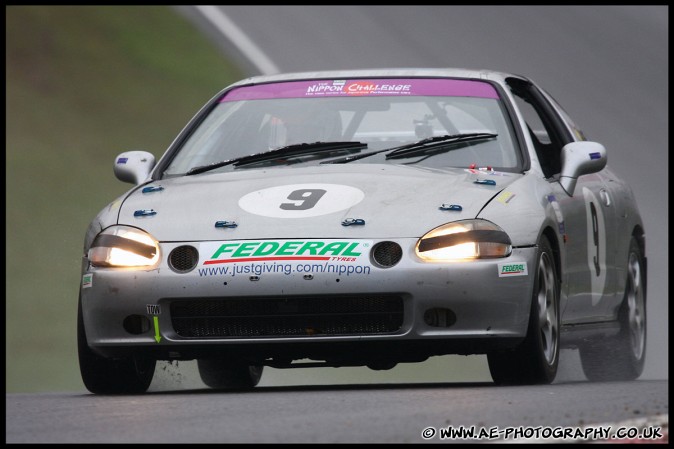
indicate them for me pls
(622, 358)
(131, 375)
(225, 374)
(536, 359)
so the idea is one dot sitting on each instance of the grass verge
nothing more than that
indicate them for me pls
(84, 83)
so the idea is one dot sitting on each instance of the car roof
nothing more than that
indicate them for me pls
(491, 75)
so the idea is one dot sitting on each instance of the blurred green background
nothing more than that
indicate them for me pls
(85, 83)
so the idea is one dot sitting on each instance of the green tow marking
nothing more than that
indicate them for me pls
(156, 329)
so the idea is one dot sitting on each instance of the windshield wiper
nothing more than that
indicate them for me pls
(420, 146)
(287, 151)
(435, 144)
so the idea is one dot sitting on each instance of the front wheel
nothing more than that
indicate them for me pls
(225, 374)
(130, 375)
(536, 359)
(622, 358)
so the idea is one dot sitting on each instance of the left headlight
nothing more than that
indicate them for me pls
(461, 240)
(124, 246)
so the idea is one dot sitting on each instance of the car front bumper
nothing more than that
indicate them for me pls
(298, 310)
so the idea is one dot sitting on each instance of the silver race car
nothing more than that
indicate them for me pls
(366, 218)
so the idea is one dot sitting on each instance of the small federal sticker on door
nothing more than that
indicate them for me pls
(512, 269)
(87, 280)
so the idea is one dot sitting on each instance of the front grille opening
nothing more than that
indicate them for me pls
(386, 254)
(287, 316)
(183, 259)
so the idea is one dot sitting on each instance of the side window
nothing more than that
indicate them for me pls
(547, 137)
(579, 134)
(533, 120)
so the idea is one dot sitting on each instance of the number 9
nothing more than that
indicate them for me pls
(308, 198)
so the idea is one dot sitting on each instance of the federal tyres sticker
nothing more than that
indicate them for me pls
(512, 269)
(275, 250)
(257, 257)
(87, 280)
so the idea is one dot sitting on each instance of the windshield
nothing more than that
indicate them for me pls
(379, 113)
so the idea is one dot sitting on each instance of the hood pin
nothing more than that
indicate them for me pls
(353, 221)
(454, 207)
(226, 224)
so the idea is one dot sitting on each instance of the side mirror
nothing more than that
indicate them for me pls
(134, 166)
(580, 158)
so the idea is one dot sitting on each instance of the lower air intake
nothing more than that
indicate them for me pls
(287, 316)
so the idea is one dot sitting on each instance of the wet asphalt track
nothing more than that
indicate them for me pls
(330, 414)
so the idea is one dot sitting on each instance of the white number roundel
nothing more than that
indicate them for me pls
(301, 200)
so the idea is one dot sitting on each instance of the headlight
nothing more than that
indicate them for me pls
(469, 239)
(123, 246)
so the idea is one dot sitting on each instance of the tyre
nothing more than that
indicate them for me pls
(131, 375)
(535, 360)
(622, 358)
(224, 374)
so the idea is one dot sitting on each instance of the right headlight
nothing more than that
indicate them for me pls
(124, 246)
(464, 240)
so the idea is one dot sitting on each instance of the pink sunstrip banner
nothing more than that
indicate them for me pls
(364, 87)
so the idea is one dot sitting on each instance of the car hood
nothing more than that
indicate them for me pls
(393, 201)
